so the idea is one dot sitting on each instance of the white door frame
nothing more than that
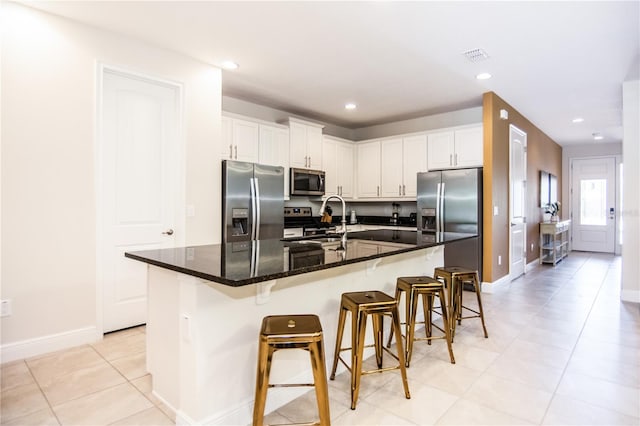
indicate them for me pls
(617, 192)
(180, 226)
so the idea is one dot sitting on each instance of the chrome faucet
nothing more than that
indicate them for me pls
(343, 229)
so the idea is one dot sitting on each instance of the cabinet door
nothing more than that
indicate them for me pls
(314, 147)
(368, 160)
(440, 150)
(298, 145)
(469, 147)
(345, 163)
(414, 153)
(226, 146)
(330, 166)
(274, 150)
(245, 140)
(391, 168)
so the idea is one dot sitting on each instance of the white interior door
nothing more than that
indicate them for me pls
(139, 157)
(517, 197)
(593, 203)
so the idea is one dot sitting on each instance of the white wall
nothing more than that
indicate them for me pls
(631, 191)
(48, 146)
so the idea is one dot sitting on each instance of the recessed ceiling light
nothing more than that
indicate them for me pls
(597, 136)
(483, 76)
(350, 105)
(577, 120)
(230, 65)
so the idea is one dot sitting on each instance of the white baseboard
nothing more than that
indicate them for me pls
(532, 265)
(630, 296)
(490, 287)
(45, 344)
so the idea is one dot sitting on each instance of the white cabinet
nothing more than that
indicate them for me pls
(274, 150)
(240, 139)
(456, 148)
(392, 173)
(337, 162)
(368, 169)
(305, 144)
(293, 232)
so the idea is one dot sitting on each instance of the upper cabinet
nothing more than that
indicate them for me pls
(305, 144)
(456, 148)
(387, 168)
(337, 162)
(368, 169)
(274, 150)
(240, 139)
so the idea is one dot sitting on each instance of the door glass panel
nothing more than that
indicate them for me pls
(593, 202)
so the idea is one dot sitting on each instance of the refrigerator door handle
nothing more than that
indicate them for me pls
(438, 207)
(441, 200)
(252, 190)
(257, 222)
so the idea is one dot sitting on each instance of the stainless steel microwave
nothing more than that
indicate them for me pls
(306, 182)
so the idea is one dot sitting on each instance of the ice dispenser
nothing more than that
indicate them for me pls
(239, 221)
(428, 220)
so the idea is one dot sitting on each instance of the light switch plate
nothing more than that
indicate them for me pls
(495, 210)
(5, 308)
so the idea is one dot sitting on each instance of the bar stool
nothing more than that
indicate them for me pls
(361, 304)
(454, 278)
(291, 332)
(428, 288)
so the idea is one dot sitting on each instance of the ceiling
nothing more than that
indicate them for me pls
(552, 61)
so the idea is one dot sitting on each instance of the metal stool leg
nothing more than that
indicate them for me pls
(411, 324)
(341, 320)
(447, 330)
(357, 353)
(476, 285)
(265, 357)
(403, 371)
(316, 352)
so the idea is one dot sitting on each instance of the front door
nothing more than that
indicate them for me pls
(138, 187)
(593, 202)
(517, 197)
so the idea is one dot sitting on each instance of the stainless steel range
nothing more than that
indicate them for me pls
(302, 217)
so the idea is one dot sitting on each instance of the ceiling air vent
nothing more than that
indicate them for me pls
(476, 55)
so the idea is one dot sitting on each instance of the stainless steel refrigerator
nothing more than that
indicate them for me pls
(252, 201)
(451, 201)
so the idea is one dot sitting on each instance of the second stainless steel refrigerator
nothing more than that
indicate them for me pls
(252, 201)
(451, 201)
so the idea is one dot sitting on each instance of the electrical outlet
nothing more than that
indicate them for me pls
(499, 260)
(5, 308)
(531, 246)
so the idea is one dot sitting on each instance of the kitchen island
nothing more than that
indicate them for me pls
(206, 304)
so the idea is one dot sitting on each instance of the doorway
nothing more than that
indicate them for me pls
(518, 201)
(593, 204)
(139, 157)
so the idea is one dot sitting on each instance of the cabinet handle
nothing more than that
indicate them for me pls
(378, 190)
(404, 190)
(456, 159)
(231, 151)
(236, 152)
(399, 189)
(305, 161)
(309, 162)
(451, 159)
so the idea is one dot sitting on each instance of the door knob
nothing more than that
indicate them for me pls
(169, 232)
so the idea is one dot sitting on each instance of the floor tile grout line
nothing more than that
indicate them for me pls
(44, 395)
(564, 370)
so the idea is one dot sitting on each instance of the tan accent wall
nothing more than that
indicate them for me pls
(542, 154)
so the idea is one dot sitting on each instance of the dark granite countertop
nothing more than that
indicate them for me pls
(250, 262)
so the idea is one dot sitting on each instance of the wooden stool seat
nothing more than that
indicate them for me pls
(360, 305)
(291, 332)
(454, 278)
(428, 288)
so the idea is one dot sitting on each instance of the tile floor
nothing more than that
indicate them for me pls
(562, 349)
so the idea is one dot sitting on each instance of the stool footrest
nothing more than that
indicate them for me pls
(291, 385)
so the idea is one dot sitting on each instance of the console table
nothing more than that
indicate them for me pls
(554, 241)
